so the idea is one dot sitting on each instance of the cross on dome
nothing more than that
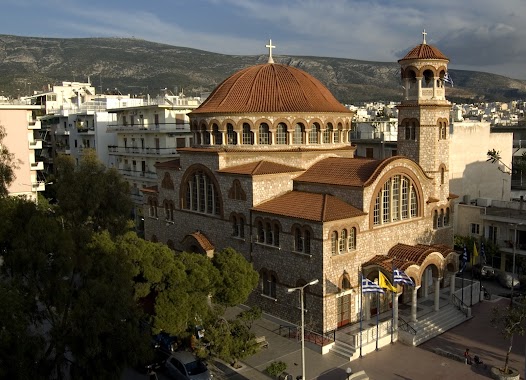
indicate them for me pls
(424, 34)
(270, 47)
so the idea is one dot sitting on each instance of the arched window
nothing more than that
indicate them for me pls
(343, 241)
(446, 217)
(327, 134)
(218, 136)
(238, 225)
(428, 78)
(169, 210)
(442, 130)
(442, 175)
(248, 135)
(298, 134)
(301, 239)
(435, 219)
(276, 234)
(281, 134)
(152, 203)
(352, 239)
(441, 219)
(298, 240)
(334, 243)
(314, 133)
(269, 284)
(236, 191)
(235, 226)
(346, 283)
(201, 194)
(261, 232)
(206, 137)
(410, 129)
(397, 200)
(264, 134)
(269, 234)
(306, 241)
(337, 133)
(231, 135)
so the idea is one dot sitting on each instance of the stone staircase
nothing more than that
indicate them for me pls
(431, 325)
(343, 349)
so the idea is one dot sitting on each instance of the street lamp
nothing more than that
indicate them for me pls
(513, 263)
(301, 289)
(349, 372)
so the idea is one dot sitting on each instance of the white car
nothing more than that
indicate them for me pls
(183, 365)
(508, 280)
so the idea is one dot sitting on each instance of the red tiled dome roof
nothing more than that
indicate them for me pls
(270, 87)
(424, 51)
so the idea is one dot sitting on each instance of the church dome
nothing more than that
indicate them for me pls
(270, 87)
(424, 51)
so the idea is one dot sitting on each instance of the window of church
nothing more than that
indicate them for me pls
(264, 134)
(298, 240)
(276, 235)
(397, 200)
(235, 227)
(236, 191)
(268, 284)
(306, 241)
(327, 134)
(238, 226)
(298, 134)
(343, 241)
(231, 135)
(261, 233)
(201, 194)
(313, 134)
(352, 239)
(334, 243)
(446, 217)
(248, 135)
(218, 136)
(442, 130)
(269, 234)
(440, 219)
(301, 240)
(442, 175)
(152, 209)
(435, 219)
(337, 136)
(281, 134)
(206, 138)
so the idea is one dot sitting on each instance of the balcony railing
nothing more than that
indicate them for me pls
(138, 174)
(112, 149)
(36, 144)
(168, 127)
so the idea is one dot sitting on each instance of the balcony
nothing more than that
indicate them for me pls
(137, 174)
(146, 128)
(37, 165)
(35, 124)
(36, 144)
(38, 186)
(125, 151)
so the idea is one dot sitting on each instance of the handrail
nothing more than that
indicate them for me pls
(460, 305)
(319, 339)
(405, 326)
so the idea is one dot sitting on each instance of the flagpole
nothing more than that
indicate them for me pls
(377, 316)
(361, 305)
(471, 298)
(463, 267)
(392, 301)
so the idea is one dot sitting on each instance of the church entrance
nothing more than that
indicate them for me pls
(344, 310)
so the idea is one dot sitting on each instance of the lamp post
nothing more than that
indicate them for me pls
(513, 263)
(302, 289)
(349, 373)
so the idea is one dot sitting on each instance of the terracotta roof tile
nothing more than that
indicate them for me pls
(172, 164)
(260, 168)
(202, 240)
(424, 51)
(270, 87)
(340, 171)
(309, 206)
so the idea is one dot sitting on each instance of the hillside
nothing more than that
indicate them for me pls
(137, 66)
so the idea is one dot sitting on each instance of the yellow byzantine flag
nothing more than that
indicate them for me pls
(475, 253)
(384, 283)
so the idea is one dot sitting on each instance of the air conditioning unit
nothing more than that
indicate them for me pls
(483, 202)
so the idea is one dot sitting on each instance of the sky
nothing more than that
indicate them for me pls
(481, 35)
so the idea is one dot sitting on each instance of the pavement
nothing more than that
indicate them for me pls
(396, 361)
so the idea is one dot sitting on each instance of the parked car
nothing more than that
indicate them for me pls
(483, 271)
(165, 342)
(508, 280)
(183, 365)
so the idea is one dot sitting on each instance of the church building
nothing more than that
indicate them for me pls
(272, 173)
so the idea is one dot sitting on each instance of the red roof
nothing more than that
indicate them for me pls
(172, 164)
(270, 87)
(150, 189)
(341, 171)
(309, 206)
(260, 168)
(424, 51)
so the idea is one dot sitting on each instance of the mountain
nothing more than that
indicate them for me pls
(136, 66)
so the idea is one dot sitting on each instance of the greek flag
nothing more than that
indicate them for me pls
(482, 253)
(400, 277)
(370, 287)
(447, 79)
(464, 260)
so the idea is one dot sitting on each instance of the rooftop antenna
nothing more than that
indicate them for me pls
(270, 47)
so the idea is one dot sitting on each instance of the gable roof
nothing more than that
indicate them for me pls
(260, 168)
(340, 171)
(309, 206)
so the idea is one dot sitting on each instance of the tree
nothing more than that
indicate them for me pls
(237, 277)
(511, 320)
(71, 308)
(92, 195)
(8, 164)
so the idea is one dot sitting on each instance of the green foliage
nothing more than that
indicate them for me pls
(92, 197)
(232, 340)
(7, 164)
(238, 277)
(276, 368)
(511, 321)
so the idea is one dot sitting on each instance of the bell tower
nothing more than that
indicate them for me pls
(423, 117)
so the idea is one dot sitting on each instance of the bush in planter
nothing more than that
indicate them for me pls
(276, 368)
